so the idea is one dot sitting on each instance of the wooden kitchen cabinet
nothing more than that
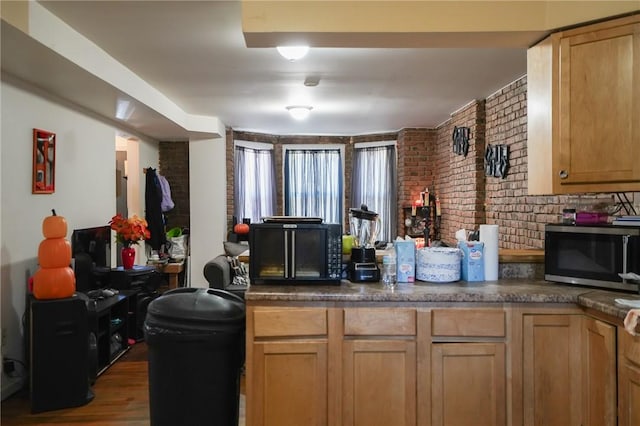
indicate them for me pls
(599, 373)
(439, 365)
(628, 379)
(379, 383)
(551, 370)
(287, 366)
(291, 378)
(468, 384)
(468, 369)
(379, 367)
(583, 101)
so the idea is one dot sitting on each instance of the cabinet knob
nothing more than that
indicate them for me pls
(563, 174)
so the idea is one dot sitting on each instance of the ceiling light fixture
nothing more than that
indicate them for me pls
(299, 112)
(293, 53)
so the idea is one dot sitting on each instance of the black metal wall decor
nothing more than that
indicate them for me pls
(461, 140)
(496, 161)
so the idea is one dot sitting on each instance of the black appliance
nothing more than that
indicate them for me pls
(363, 266)
(592, 255)
(365, 227)
(295, 250)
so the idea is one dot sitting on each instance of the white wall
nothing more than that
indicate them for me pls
(208, 204)
(84, 187)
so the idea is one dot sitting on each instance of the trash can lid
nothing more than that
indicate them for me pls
(199, 305)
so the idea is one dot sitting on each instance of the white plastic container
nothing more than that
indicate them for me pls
(438, 264)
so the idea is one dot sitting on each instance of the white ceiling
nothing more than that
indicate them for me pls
(195, 54)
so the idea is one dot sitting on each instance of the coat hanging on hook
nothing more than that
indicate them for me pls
(153, 209)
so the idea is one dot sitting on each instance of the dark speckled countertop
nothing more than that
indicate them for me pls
(502, 291)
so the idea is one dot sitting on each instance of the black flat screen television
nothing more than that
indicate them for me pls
(91, 251)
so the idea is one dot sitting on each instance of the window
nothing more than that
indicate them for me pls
(374, 183)
(313, 181)
(255, 182)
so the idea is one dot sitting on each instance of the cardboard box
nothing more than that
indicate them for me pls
(472, 260)
(406, 259)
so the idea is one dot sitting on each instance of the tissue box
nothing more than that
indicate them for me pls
(406, 261)
(472, 260)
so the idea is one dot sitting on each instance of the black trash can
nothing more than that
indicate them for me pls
(196, 353)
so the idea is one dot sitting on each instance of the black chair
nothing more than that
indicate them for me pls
(219, 274)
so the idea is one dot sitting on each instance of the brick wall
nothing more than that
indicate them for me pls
(174, 165)
(521, 218)
(415, 171)
(460, 179)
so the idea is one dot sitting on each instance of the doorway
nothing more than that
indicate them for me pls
(127, 186)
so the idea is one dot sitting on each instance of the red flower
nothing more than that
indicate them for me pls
(129, 231)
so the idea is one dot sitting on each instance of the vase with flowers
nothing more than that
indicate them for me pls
(129, 231)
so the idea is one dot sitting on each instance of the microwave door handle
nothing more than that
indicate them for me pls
(293, 254)
(286, 254)
(625, 250)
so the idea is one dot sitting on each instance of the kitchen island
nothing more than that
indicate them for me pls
(514, 351)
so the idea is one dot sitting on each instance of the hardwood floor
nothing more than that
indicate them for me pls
(121, 398)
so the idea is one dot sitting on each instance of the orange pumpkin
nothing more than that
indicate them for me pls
(54, 279)
(54, 253)
(54, 283)
(54, 226)
(241, 228)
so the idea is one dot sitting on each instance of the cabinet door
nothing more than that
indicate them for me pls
(599, 373)
(599, 130)
(379, 382)
(468, 384)
(551, 370)
(290, 383)
(628, 379)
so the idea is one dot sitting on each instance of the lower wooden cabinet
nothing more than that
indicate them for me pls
(379, 383)
(468, 384)
(444, 366)
(290, 383)
(599, 373)
(628, 379)
(551, 370)
(379, 367)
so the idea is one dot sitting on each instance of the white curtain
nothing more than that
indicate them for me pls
(255, 183)
(313, 183)
(374, 183)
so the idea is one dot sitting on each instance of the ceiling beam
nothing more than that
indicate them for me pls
(425, 23)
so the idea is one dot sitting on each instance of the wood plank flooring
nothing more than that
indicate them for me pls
(121, 398)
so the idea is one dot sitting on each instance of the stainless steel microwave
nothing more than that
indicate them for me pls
(592, 255)
(290, 252)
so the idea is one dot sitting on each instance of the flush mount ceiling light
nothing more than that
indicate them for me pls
(299, 112)
(293, 53)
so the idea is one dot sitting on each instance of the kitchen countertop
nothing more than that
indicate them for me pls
(501, 291)
(504, 256)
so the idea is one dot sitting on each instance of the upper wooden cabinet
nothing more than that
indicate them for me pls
(583, 109)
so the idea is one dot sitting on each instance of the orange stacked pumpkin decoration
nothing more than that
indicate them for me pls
(55, 279)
